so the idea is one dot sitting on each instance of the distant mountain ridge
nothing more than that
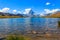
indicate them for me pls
(9, 14)
(31, 14)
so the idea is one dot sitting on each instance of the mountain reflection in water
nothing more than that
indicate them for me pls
(27, 24)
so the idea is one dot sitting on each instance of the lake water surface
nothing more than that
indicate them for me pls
(27, 24)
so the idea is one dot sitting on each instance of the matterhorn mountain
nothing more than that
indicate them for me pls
(29, 12)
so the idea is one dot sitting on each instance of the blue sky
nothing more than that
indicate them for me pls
(36, 5)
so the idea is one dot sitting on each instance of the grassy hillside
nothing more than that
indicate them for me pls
(55, 15)
(9, 16)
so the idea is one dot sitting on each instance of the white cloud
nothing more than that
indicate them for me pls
(14, 11)
(48, 3)
(4, 10)
(47, 10)
(0, 10)
(41, 14)
(27, 11)
(51, 11)
(19, 11)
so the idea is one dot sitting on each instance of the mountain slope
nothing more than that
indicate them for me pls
(55, 15)
(9, 15)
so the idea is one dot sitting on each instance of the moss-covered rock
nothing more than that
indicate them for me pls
(58, 23)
